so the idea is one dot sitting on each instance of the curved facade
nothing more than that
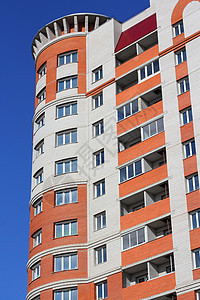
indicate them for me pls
(115, 204)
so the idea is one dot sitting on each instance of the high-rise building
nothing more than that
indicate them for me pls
(115, 203)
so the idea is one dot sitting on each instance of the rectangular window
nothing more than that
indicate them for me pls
(152, 128)
(101, 255)
(67, 83)
(98, 157)
(102, 291)
(98, 128)
(42, 70)
(66, 166)
(97, 100)
(181, 56)
(195, 219)
(38, 177)
(178, 28)
(183, 85)
(39, 148)
(65, 262)
(38, 207)
(189, 148)
(67, 110)
(66, 137)
(36, 271)
(133, 238)
(66, 197)
(196, 258)
(193, 183)
(127, 110)
(131, 171)
(66, 228)
(37, 238)
(41, 96)
(100, 220)
(71, 294)
(149, 70)
(186, 116)
(99, 188)
(198, 295)
(97, 74)
(40, 121)
(67, 58)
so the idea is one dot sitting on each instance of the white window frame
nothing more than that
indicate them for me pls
(97, 100)
(41, 96)
(198, 294)
(145, 70)
(193, 182)
(180, 52)
(66, 290)
(97, 287)
(36, 270)
(100, 216)
(37, 238)
(194, 260)
(70, 79)
(63, 134)
(39, 148)
(101, 251)
(39, 177)
(40, 121)
(37, 207)
(137, 237)
(130, 104)
(95, 154)
(99, 126)
(177, 25)
(149, 125)
(65, 55)
(70, 228)
(99, 183)
(64, 106)
(190, 148)
(70, 160)
(63, 196)
(196, 212)
(126, 167)
(42, 70)
(99, 72)
(62, 262)
(183, 81)
(187, 116)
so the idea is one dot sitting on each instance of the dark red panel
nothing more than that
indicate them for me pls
(136, 32)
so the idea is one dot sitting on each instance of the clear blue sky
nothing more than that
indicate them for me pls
(20, 21)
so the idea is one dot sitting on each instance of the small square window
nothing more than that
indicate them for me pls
(102, 291)
(99, 188)
(100, 220)
(101, 255)
(178, 28)
(97, 74)
(98, 157)
(97, 100)
(98, 128)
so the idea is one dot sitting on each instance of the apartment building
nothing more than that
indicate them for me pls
(115, 203)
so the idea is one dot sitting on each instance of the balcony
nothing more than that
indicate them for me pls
(127, 81)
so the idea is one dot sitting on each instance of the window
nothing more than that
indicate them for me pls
(178, 28)
(40, 121)
(67, 137)
(196, 258)
(67, 58)
(102, 291)
(189, 148)
(98, 128)
(98, 158)
(100, 220)
(181, 56)
(66, 228)
(39, 148)
(42, 70)
(36, 271)
(193, 183)
(41, 96)
(37, 238)
(183, 85)
(128, 110)
(38, 207)
(67, 166)
(97, 100)
(131, 171)
(198, 295)
(101, 255)
(71, 294)
(99, 188)
(133, 238)
(36, 298)
(39, 177)
(65, 262)
(67, 110)
(149, 69)
(97, 74)
(195, 219)
(67, 83)
(66, 197)
(152, 128)
(186, 116)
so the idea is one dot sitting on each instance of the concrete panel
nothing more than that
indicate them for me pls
(67, 70)
(191, 13)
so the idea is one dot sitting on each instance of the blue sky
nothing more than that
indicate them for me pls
(20, 21)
